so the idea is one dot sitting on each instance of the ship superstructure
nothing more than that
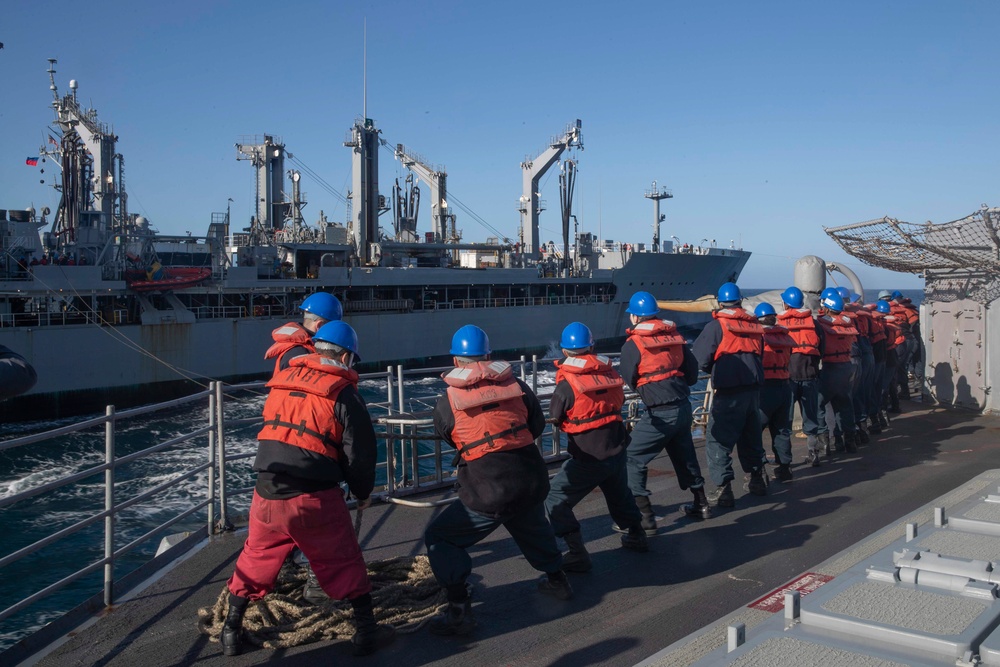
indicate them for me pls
(152, 311)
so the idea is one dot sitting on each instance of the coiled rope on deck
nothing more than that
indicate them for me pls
(404, 592)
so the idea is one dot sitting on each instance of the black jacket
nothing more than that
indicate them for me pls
(731, 372)
(596, 444)
(500, 484)
(286, 471)
(666, 391)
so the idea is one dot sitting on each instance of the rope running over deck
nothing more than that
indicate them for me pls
(404, 592)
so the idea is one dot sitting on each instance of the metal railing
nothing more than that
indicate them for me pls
(411, 461)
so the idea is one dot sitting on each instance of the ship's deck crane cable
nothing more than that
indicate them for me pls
(319, 180)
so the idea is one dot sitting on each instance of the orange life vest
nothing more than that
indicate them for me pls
(877, 324)
(661, 350)
(490, 415)
(802, 328)
(862, 318)
(839, 334)
(598, 392)
(777, 352)
(894, 334)
(285, 338)
(741, 332)
(912, 312)
(299, 409)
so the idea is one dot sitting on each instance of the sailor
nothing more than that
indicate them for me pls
(587, 406)
(492, 419)
(731, 348)
(894, 341)
(877, 421)
(902, 352)
(658, 364)
(835, 376)
(293, 339)
(861, 388)
(16, 374)
(803, 368)
(317, 434)
(908, 321)
(776, 393)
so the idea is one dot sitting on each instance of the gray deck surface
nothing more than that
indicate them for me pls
(631, 605)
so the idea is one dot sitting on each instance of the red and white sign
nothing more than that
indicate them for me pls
(806, 584)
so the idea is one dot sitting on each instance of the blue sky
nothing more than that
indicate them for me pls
(767, 120)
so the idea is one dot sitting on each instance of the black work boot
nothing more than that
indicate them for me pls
(757, 485)
(874, 427)
(312, 592)
(722, 496)
(369, 636)
(457, 618)
(635, 540)
(232, 630)
(862, 434)
(824, 443)
(648, 516)
(850, 442)
(783, 473)
(576, 559)
(883, 419)
(813, 445)
(557, 585)
(699, 509)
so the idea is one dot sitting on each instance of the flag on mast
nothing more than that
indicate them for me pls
(31, 161)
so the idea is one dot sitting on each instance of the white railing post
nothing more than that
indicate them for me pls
(211, 457)
(388, 388)
(220, 426)
(109, 506)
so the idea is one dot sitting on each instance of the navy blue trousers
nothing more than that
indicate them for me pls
(734, 422)
(577, 478)
(775, 416)
(457, 528)
(664, 427)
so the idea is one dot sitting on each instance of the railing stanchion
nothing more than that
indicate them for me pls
(211, 457)
(109, 506)
(402, 395)
(388, 388)
(524, 366)
(220, 425)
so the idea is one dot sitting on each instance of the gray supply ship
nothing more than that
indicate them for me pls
(109, 311)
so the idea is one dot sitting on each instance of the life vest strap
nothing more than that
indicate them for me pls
(490, 436)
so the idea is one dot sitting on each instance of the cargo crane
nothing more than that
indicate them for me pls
(532, 172)
(437, 181)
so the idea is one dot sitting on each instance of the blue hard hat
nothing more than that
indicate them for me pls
(729, 292)
(470, 341)
(833, 302)
(339, 333)
(793, 297)
(642, 304)
(576, 336)
(844, 293)
(323, 304)
(827, 292)
(897, 295)
(855, 297)
(763, 310)
(883, 307)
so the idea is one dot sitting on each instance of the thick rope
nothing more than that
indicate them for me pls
(404, 595)
(404, 592)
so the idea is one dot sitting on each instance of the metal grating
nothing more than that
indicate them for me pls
(791, 652)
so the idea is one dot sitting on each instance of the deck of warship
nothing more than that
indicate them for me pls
(631, 606)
